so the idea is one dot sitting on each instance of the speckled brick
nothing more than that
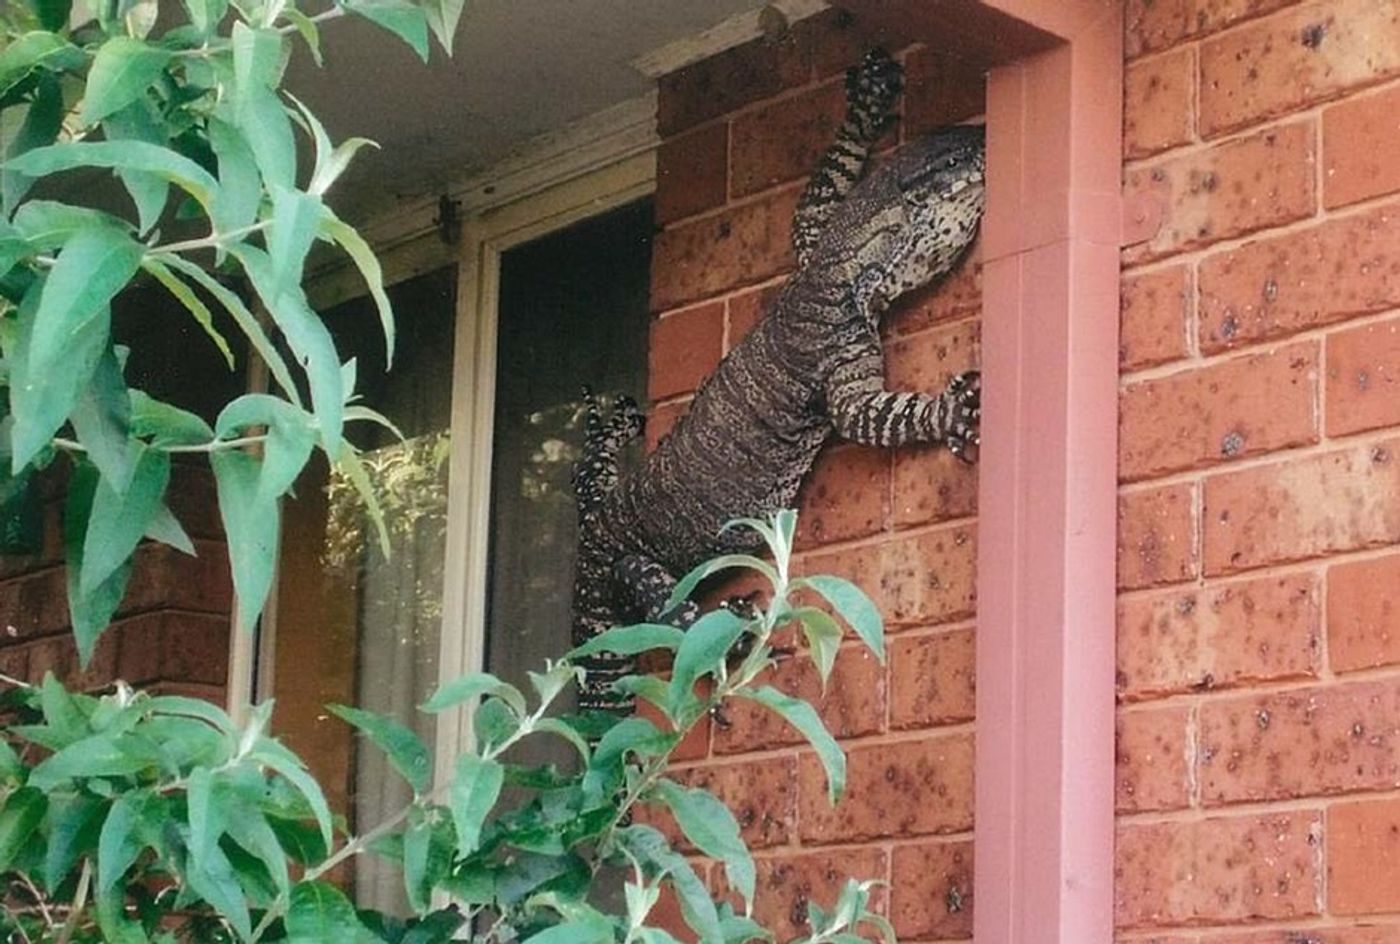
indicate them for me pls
(941, 89)
(1222, 870)
(783, 141)
(693, 746)
(1363, 613)
(1158, 103)
(685, 347)
(1153, 310)
(1304, 55)
(917, 579)
(1228, 190)
(1363, 857)
(852, 705)
(1360, 138)
(59, 655)
(933, 894)
(928, 360)
(1156, 537)
(692, 173)
(173, 646)
(1315, 741)
(933, 679)
(788, 883)
(1388, 934)
(1151, 759)
(1156, 24)
(1208, 415)
(730, 80)
(1363, 377)
(908, 788)
(1289, 283)
(761, 794)
(1341, 500)
(846, 495)
(932, 485)
(956, 296)
(747, 243)
(1191, 639)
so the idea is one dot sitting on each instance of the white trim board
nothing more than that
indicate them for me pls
(735, 31)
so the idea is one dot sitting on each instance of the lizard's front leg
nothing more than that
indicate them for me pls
(863, 411)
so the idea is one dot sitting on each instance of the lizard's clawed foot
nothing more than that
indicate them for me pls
(871, 90)
(963, 412)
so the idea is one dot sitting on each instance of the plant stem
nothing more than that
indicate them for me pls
(217, 445)
(213, 240)
(11, 680)
(79, 903)
(39, 901)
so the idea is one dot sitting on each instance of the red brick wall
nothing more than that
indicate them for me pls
(1258, 667)
(740, 133)
(171, 632)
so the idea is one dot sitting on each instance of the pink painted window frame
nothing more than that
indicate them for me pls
(1048, 465)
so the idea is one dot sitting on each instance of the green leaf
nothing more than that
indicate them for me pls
(257, 58)
(274, 755)
(117, 522)
(290, 438)
(590, 931)
(102, 418)
(443, 16)
(124, 834)
(122, 155)
(319, 913)
(631, 640)
(252, 525)
(240, 187)
(71, 827)
(493, 722)
(19, 818)
(205, 815)
(310, 33)
(475, 788)
(467, 687)
(335, 164)
(403, 19)
(346, 237)
(267, 129)
(91, 269)
(121, 72)
(406, 751)
(34, 50)
(295, 218)
(42, 120)
(687, 584)
(206, 14)
(98, 755)
(247, 826)
(165, 424)
(712, 829)
(823, 638)
(649, 846)
(702, 651)
(563, 730)
(805, 719)
(53, 14)
(47, 225)
(854, 607)
(192, 302)
(138, 122)
(89, 612)
(213, 878)
(428, 844)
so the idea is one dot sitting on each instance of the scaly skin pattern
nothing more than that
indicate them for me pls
(811, 368)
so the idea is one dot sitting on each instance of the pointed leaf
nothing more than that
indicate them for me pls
(687, 584)
(165, 528)
(405, 750)
(117, 522)
(702, 651)
(474, 791)
(102, 418)
(137, 122)
(295, 218)
(121, 72)
(192, 302)
(469, 686)
(71, 827)
(166, 424)
(711, 827)
(854, 607)
(89, 612)
(348, 239)
(632, 640)
(443, 16)
(91, 269)
(805, 719)
(122, 155)
(20, 816)
(399, 17)
(252, 526)
(240, 188)
(42, 121)
(823, 638)
(290, 438)
(274, 755)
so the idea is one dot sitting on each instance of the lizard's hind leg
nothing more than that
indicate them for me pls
(596, 471)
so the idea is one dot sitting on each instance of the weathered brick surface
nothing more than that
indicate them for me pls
(692, 173)
(787, 883)
(932, 679)
(957, 296)
(1208, 415)
(762, 795)
(1360, 138)
(846, 495)
(1157, 24)
(1363, 613)
(1313, 741)
(734, 78)
(1190, 639)
(685, 347)
(1363, 377)
(1159, 103)
(1363, 867)
(1153, 310)
(1156, 537)
(930, 485)
(783, 141)
(1309, 935)
(1151, 761)
(1228, 190)
(936, 899)
(1304, 55)
(1339, 500)
(1221, 871)
(908, 788)
(928, 360)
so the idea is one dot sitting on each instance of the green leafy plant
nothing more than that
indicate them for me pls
(132, 817)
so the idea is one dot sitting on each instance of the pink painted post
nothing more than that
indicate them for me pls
(1045, 647)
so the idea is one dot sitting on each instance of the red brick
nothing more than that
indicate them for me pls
(164, 577)
(846, 495)
(1363, 377)
(762, 795)
(1230, 634)
(1157, 24)
(853, 704)
(662, 419)
(786, 884)
(1305, 55)
(917, 579)
(692, 173)
(1227, 190)
(1207, 415)
(1365, 935)
(1219, 870)
(933, 679)
(1315, 741)
(1153, 309)
(957, 295)
(59, 655)
(1360, 138)
(193, 499)
(730, 80)
(173, 647)
(1278, 286)
(1363, 614)
(741, 245)
(694, 746)
(34, 604)
(747, 310)
(941, 89)
(784, 140)
(1156, 537)
(932, 485)
(1363, 857)
(685, 347)
(1337, 501)
(1151, 760)
(928, 360)
(909, 788)
(1158, 97)
(932, 894)
(14, 662)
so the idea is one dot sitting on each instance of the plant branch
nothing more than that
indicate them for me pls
(79, 903)
(217, 445)
(11, 680)
(39, 901)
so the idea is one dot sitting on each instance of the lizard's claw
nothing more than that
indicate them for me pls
(963, 415)
(871, 90)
